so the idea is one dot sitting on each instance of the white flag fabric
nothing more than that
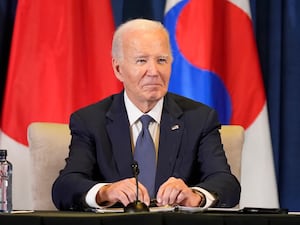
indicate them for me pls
(216, 62)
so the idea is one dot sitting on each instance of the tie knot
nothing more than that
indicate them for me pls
(146, 119)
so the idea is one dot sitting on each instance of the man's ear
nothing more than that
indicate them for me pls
(116, 68)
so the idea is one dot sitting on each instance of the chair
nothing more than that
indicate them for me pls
(48, 146)
(233, 140)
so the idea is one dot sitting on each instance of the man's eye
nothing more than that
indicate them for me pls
(162, 60)
(140, 61)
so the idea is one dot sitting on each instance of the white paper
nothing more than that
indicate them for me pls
(155, 209)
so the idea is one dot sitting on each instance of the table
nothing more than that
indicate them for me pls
(157, 218)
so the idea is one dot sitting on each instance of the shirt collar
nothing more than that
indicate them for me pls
(134, 113)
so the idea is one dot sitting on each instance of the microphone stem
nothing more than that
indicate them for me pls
(137, 187)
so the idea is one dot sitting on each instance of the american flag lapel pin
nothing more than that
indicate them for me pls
(175, 127)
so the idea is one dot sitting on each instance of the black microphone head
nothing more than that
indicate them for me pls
(135, 168)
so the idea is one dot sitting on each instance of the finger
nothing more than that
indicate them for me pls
(143, 194)
(164, 198)
(122, 195)
(161, 191)
(131, 193)
(174, 193)
(181, 197)
(123, 191)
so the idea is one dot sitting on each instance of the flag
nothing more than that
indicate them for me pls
(59, 62)
(216, 62)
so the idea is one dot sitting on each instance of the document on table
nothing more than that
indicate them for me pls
(154, 209)
(21, 211)
(246, 210)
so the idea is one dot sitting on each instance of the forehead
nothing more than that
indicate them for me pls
(151, 41)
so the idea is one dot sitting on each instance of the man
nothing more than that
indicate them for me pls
(190, 165)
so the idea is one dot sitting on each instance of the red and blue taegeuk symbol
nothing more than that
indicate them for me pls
(214, 62)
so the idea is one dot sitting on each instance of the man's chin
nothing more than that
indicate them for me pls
(154, 93)
(155, 96)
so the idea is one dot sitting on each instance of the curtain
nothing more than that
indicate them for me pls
(7, 16)
(277, 24)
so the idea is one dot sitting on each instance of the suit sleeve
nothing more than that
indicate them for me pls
(79, 174)
(216, 175)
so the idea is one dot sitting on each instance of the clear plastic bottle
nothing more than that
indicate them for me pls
(5, 183)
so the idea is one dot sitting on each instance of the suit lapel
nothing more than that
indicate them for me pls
(171, 131)
(119, 134)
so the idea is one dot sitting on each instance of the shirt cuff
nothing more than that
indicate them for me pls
(210, 199)
(90, 198)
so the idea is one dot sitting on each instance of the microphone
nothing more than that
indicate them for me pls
(137, 205)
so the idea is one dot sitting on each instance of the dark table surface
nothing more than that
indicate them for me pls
(153, 218)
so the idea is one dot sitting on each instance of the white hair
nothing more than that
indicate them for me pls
(132, 25)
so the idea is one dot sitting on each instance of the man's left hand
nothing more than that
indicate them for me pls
(175, 192)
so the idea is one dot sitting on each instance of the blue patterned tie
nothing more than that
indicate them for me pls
(145, 155)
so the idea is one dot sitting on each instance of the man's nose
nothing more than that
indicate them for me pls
(152, 67)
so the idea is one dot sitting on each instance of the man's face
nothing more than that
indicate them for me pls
(145, 67)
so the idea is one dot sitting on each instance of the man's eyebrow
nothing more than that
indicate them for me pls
(141, 56)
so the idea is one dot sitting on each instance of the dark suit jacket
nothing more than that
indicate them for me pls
(189, 148)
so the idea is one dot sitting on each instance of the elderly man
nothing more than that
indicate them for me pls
(185, 162)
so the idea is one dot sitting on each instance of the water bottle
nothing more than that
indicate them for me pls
(5, 183)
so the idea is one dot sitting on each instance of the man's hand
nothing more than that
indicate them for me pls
(175, 192)
(123, 191)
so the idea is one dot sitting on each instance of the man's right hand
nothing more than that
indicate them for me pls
(123, 191)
